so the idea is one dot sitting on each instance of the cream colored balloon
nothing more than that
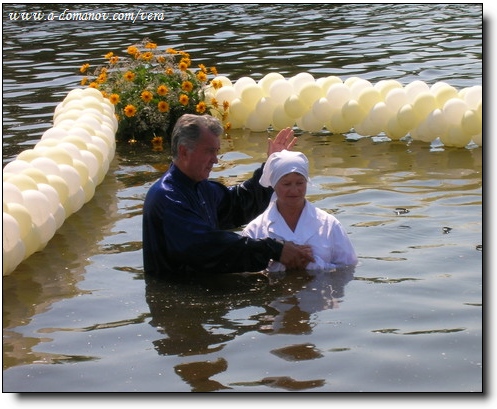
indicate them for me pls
(11, 193)
(280, 90)
(310, 93)
(310, 123)
(242, 83)
(251, 95)
(338, 95)
(322, 109)
(395, 99)
(353, 112)
(456, 137)
(414, 88)
(368, 98)
(16, 166)
(266, 81)
(280, 119)
(299, 80)
(385, 86)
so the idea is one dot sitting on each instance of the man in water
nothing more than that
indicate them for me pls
(186, 217)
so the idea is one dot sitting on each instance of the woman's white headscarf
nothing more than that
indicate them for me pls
(282, 163)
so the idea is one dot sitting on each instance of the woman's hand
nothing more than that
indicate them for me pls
(284, 140)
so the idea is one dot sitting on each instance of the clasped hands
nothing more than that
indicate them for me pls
(296, 256)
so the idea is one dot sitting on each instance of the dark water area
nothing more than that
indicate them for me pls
(79, 316)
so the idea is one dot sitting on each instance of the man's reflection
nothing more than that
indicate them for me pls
(194, 317)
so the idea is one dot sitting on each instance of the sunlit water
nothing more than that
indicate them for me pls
(79, 316)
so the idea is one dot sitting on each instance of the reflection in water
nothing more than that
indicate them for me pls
(179, 312)
(362, 179)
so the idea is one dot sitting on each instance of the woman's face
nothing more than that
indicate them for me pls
(291, 189)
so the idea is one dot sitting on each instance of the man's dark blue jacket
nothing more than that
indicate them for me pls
(186, 227)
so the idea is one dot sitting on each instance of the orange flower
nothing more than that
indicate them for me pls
(216, 84)
(147, 56)
(182, 66)
(162, 90)
(187, 86)
(114, 99)
(151, 45)
(214, 102)
(130, 111)
(132, 50)
(84, 80)
(186, 61)
(93, 85)
(84, 68)
(109, 55)
(114, 60)
(201, 107)
(129, 76)
(202, 68)
(147, 96)
(169, 71)
(163, 106)
(226, 105)
(214, 70)
(183, 99)
(171, 51)
(201, 76)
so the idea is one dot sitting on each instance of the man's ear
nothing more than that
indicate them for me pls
(182, 151)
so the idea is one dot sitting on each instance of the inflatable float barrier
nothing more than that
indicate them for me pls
(43, 186)
(424, 112)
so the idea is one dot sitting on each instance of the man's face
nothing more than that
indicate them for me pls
(197, 163)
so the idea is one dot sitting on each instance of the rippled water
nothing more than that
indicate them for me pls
(79, 315)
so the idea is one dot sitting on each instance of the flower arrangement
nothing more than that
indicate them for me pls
(151, 88)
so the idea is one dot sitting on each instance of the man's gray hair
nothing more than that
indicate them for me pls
(189, 129)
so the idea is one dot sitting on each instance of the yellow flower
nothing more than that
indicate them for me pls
(187, 86)
(147, 56)
(157, 143)
(213, 70)
(182, 66)
(162, 90)
(147, 96)
(130, 111)
(186, 61)
(201, 76)
(163, 106)
(132, 50)
(183, 99)
(129, 76)
(146, 84)
(201, 107)
(114, 99)
(216, 84)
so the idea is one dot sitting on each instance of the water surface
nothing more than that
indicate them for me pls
(79, 316)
